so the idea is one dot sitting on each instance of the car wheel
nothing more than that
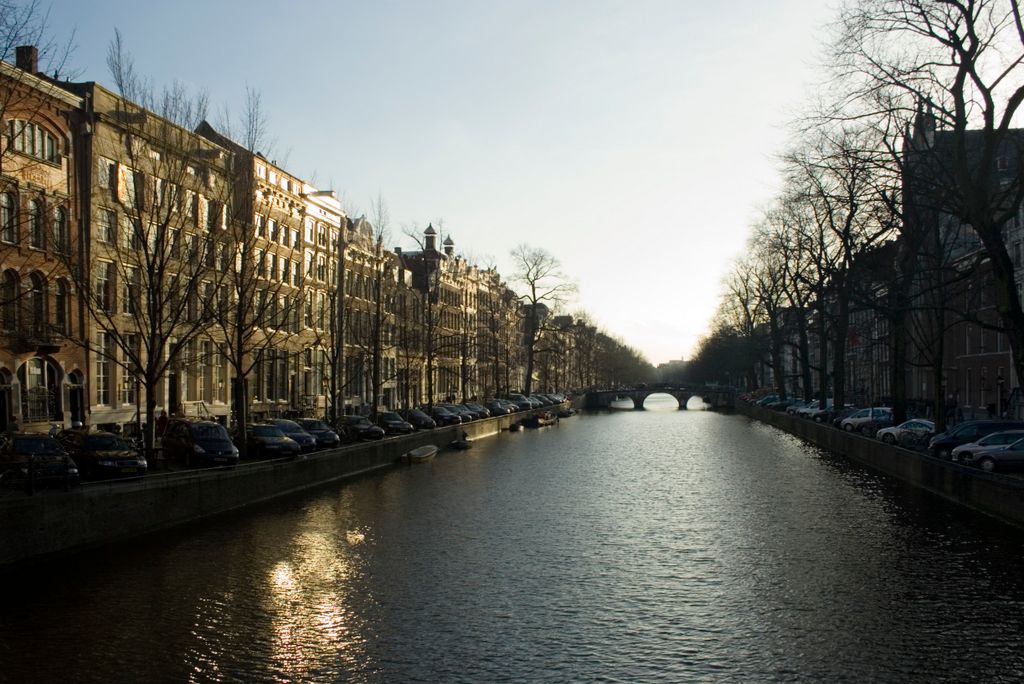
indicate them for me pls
(888, 438)
(848, 427)
(943, 453)
(817, 419)
(987, 464)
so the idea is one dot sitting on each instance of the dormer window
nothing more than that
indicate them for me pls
(32, 139)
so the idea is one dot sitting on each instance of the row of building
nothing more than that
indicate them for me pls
(937, 281)
(148, 264)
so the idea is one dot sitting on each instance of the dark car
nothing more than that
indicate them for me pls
(394, 424)
(269, 441)
(199, 443)
(461, 411)
(419, 419)
(326, 437)
(32, 461)
(941, 445)
(483, 411)
(497, 408)
(102, 454)
(444, 417)
(293, 430)
(355, 428)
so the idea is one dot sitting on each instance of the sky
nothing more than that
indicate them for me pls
(635, 141)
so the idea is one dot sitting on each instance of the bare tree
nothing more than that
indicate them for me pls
(960, 65)
(158, 211)
(546, 286)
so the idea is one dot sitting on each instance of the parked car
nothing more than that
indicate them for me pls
(294, 431)
(199, 443)
(521, 401)
(994, 441)
(907, 432)
(767, 399)
(858, 419)
(482, 410)
(325, 436)
(39, 459)
(497, 407)
(394, 424)
(269, 441)
(419, 419)
(102, 454)
(1010, 457)
(942, 444)
(444, 417)
(461, 411)
(796, 406)
(355, 428)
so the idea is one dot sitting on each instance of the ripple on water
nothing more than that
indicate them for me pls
(622, 547)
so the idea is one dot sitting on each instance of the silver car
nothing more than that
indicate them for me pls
(910, 431)
(997, 441)
(862, 417)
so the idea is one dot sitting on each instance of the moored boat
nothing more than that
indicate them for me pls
(420, 454)
(540, 419)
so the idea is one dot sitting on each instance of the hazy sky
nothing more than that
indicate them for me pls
(635, 140)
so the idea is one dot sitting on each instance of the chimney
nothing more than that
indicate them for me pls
(26, 58)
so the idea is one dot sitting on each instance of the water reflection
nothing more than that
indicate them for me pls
(658, 545)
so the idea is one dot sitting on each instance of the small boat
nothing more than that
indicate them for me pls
(515, 427)
(420, 454)
(461, 444)
(540, 419)
(566, 412)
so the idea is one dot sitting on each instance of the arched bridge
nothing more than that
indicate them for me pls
(716, 397)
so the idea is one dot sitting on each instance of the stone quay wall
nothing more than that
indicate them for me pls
(53, 523)
(996, 495)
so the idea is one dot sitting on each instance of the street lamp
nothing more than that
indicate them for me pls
(999, 395)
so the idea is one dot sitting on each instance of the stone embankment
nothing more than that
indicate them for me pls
(56, 522)
(993, 494)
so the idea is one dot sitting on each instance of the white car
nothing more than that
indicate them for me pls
(911, 430)
(997, 441)
(859, 419)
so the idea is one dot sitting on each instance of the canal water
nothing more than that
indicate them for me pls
(656, 546)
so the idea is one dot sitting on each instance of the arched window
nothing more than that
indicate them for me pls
(37, 304)
(62, 307)
(9, 290)
(35, 224)
(61, 237)
(8, 218)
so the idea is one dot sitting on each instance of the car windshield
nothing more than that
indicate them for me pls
(442, 410)
(105, 443)
(209, 431)
(315, 425)
(287, 426)
(267, 431)
(391, 416)
(36, 445)
(358, 420)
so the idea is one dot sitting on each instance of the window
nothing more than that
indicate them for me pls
(272, 230)
(260, 222)
(32, 139)
(321, 235)
(295, 239)
(61, 237)
(37, 303)
(8, 218)
(104, 285)
(36, 229)
(309, 231)
(62, 304)
(321, 268)
(261, 171)
(130, 291)
(103, 350)
(9, 300)
(296, 274)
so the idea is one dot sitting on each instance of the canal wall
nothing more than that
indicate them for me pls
(53, 523)
(992, 494)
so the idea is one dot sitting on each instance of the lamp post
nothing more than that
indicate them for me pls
(999, 395)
